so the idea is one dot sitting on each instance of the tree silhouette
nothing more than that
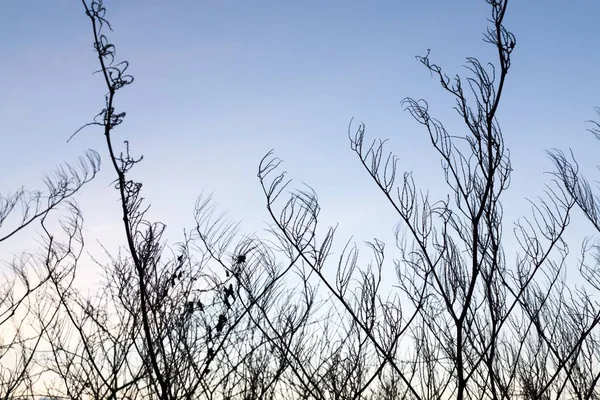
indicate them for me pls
(227, 315)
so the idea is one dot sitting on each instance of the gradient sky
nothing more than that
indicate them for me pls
(221, 82)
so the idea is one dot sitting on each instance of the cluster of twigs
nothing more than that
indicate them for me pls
(226, 316)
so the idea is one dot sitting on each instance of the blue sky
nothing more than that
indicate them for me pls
(221, 82)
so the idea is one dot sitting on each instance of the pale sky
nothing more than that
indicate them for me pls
(221, 82)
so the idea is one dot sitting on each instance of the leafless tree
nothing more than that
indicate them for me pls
(24, 279)
(468, 323)
(580, 317)
(171, 324)
(223, 315)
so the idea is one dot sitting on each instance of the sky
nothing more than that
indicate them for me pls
(219, 83)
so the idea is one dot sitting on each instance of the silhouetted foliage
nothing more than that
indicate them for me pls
(472, 325)
(221, 315)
